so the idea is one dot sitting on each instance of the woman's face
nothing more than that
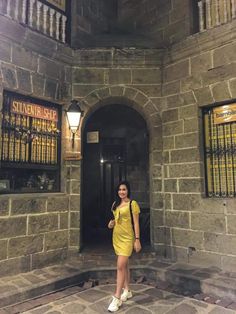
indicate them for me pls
(123, 191)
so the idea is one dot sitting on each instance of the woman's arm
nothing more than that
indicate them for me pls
(137, 244)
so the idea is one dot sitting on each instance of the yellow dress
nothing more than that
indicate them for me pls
(123, 234)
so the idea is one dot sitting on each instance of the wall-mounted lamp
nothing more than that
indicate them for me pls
(74, 114)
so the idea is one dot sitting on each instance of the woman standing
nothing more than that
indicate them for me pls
(125, 238)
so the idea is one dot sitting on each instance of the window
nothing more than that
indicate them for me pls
(30, 145)
(220, 150)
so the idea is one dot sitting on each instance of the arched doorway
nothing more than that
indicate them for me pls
(115, 147)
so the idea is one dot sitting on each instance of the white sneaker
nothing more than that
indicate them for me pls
(114, 305)
(127, 294)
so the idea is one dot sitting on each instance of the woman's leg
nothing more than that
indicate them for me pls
(127, 277)
(122, 262)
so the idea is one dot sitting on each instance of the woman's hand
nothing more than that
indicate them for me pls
(111, 224)
(137, 245)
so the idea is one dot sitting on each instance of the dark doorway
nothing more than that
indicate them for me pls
(115, 147)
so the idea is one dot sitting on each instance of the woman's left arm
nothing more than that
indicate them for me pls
(137, 243)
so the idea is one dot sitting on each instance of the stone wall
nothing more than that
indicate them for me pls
(37, 229)
(198, 72)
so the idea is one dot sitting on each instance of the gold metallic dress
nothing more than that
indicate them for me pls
(123, 234)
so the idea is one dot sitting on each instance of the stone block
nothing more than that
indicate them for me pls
(224, 54)
(212, 205)
(186, 202)
(204, 96)
(82, 90)
(157, 200)
(75, 172)
(88, 76)
(25, 205)
(75, 219)
(162, 235)
(3, 249)
(228, 263)
(41, 44)
(149, 108)
(94, 57)
(45, 259)
(130, 93)
(24, 58)
(187, 140)
(117, 90)
(9, 75)
(177, 219)
(208, 222)
(217, 74)
(171, 88)
(146, 76)
(157, 157)
(205, 259)
(42, 223)
(50, 88)
(185, 155)
(13, 31)
(166, 157)
(187, 238)
(168, 200)
(190, 83)
(173, 128)
(168, 142)
(221, 91)
(127, 57)
(63, 220)
(74, 237)
(230, 205)
(25, 245)
(38, 82)
(149, 90)
(75, 186)
(4, 206)
(50, 68)
(176, 71)
(183, 99)
(156, 171)
(5, 51)
(191, 185)
(24, 80)
(231, 224)
(184, 170)
(191, 125)
(57, 204)
(56, 240)
(170, 185)
(188, 111)
(157, 217)
(15, 266)
(170, 115)
(221, 243)
(157, 185)
(75, 202)
(118, 76)
(141, 99)
(232, 86)
(12, 227)
(201, 63)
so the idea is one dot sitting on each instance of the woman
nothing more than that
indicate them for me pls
(125, 238)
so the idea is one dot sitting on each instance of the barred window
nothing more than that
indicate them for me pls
(220, 150)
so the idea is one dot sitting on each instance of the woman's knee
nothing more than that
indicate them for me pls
(122, 263)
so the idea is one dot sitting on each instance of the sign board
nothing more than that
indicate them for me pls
(60, 4)
(34, 110)
(93, 137)
(225, 114)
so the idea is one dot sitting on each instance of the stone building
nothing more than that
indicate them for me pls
(143, 72)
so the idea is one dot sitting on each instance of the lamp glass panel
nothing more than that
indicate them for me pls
(74, 120)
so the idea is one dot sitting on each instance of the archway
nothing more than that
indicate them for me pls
(115, 147)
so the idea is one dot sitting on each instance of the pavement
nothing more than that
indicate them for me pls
(85, 282)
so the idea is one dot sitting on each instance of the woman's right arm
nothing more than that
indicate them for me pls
(111, 224)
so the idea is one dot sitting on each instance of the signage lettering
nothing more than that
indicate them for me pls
(33, 110)
(225, 114)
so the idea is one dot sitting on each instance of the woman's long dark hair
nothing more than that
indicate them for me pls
(117, 198)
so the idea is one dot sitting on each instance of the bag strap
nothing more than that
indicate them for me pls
(131, 214)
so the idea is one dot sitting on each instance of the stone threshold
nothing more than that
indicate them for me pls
(184, 278)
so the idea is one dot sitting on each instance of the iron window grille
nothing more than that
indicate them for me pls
(220, 150)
